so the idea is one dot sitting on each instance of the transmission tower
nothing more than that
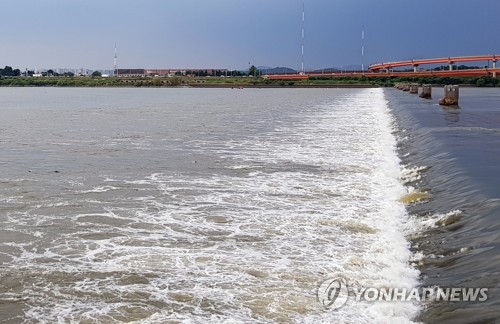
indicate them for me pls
(303, 19)
(115, 61)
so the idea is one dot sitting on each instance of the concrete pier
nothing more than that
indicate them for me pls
(451, 95)
(494, 66)
(426, 91)
(401, 86)
(413, 88)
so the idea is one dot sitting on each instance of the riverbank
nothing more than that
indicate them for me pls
(202, 82)
(236, 82)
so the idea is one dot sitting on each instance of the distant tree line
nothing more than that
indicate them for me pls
(8, 71)
(51, 73)
(204, 73)
(457, 67)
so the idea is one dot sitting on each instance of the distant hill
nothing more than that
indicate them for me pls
(276, 70)
(353, 67)
(287, 70)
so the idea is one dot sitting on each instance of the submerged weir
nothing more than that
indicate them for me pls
(451, 160)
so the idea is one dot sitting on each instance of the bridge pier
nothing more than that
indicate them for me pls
(494, 66)
(426, 91)
(450, 96)
(413, 88)
(450, 66)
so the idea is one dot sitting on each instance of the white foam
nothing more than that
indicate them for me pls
(417, 225)
(99, 189)
(412, 174)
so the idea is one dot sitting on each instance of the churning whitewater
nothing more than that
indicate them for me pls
(203, 205)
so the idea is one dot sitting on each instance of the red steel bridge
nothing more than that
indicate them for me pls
(444, 60)
(387, 69)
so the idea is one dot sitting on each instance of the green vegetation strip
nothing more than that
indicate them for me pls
(19, 81)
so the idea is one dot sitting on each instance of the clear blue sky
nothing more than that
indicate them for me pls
(232, 33)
